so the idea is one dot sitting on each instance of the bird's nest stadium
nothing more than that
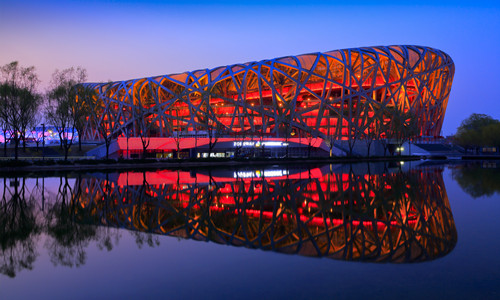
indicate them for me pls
(319, 103)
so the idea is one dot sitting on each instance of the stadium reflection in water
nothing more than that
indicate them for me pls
(344, 212)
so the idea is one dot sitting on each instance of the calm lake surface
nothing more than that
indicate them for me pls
(413, 230)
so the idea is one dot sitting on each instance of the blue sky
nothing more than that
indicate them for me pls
(116, 40)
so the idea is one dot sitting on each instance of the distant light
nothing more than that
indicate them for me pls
(272, 144)
(258, 144)
(260, 173)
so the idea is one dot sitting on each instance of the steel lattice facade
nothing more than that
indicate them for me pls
(350, 94)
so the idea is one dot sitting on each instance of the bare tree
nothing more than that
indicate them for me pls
(403, 125)
(173, 124)
(214, 132)
(144, 124)
(373, 133)
(310, 138)
(64, 110)
(37, 138)
(81, 111)
(104, 112)
(19, 100)
(5, 126)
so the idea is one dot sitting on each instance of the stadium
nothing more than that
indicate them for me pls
(342, 102)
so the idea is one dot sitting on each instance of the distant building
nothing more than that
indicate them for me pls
(37, 134)
(312, 103)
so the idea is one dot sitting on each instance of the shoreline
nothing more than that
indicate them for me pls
(155, 165)
(125, 165)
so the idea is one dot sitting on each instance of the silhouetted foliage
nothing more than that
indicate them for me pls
(478, 181)
(478, 130)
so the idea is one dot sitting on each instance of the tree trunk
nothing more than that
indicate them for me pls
(16, 146)
(66, 150)
(332, 144)
(79, 142)
(178, 145)
(5, 143)
(60, 141)
(351, 147)
(108, 142)
(145, 145)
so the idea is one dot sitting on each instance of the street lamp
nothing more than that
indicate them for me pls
(43, 140)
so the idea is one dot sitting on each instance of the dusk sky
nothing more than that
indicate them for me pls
(117, 40)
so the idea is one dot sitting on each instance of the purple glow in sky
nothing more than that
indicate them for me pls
(117, 40)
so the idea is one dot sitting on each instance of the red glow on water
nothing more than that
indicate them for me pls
(184, 177)
(316, 221)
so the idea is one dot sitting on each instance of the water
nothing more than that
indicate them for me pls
(366, 230)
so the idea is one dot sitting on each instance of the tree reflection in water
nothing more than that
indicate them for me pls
(18, 228)
(478, 179)
(338, 212)
(28, 212)
(68, 238)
